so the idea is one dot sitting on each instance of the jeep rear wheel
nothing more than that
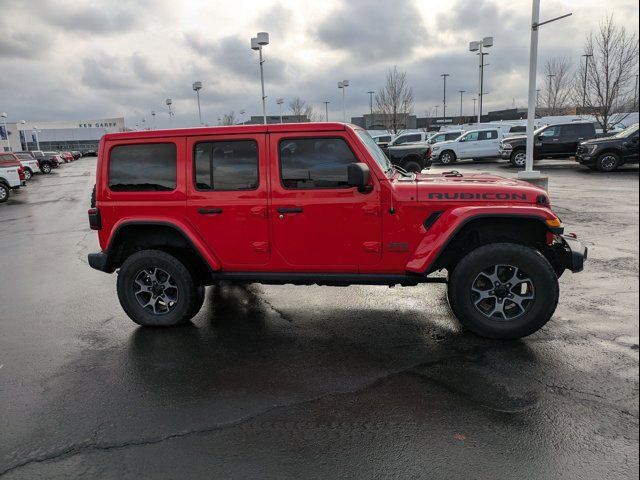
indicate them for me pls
(608, 162)
(447, 157)
(156, 290)
(504, 291)
(519, 158)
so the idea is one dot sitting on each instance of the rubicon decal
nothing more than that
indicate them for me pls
(477, 196)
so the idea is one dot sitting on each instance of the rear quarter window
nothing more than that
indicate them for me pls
(142, 168)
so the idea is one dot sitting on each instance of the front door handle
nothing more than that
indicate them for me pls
(209, 211)
(290, 209)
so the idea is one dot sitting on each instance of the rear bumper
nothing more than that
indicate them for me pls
(100, 261)
(575, 253)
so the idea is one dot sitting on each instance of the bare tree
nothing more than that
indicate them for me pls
(302, 111)
(229, 118)
(394, 102)
(609, 88)
(558, 86)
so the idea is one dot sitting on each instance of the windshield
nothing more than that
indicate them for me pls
(627, 132)
(375, 151)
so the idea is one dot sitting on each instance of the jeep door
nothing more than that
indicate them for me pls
(227, 197)
(318, 222)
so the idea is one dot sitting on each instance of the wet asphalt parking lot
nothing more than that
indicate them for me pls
(313, 382)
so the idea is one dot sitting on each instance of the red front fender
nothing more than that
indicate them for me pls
(450, 222)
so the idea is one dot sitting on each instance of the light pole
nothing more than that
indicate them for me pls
(444, 95)
(153, 119)
(533, 66)
(477, 46)
(343, 85)
(197, 86)
(436, 110)
(35, 133)
(6, 132)
(280, 101)
(584, 83)
(326, 111)
(260, 40)
(371, 101)
(168, 101)
(549, 100)
(474, 106)
(461, 92)
(242, 112)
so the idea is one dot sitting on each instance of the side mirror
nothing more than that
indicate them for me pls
(358, 175)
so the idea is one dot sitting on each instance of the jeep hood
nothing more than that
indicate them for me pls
(481, 187)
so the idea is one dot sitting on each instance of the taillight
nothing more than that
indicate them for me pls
(21, 173)
(95, 222)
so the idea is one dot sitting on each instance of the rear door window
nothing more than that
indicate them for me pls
(408, 138)
(143, 168)
(226, 165)
(488, 135)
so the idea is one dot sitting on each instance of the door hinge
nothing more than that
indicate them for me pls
(372, 210)
(261, 246)
(260, 212)
(373, 247)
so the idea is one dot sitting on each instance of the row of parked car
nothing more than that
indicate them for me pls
(17, 168)
(414, 151)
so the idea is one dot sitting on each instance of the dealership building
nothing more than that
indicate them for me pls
(62, 135)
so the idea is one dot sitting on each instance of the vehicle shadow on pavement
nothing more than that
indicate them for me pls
(246, 346)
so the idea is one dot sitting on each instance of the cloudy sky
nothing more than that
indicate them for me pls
(82, 59)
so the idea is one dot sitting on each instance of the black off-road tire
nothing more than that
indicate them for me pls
(608, 162)
(190, 295)
(538, 312)
(447, 157)
(412, 166)
(4, 192)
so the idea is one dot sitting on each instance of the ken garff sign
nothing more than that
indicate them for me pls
(97, 125)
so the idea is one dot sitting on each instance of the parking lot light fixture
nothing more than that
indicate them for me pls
(477, 46)
(461, 92)
(197, 86)
(444, 95)
(6, 132)
(153, 119)
(260, 40)
(326, 110)
(169, 102)
(280, 101)
(343, 85)
(528, 172)
(371, 101)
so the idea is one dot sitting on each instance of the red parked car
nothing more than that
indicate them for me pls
(318, 203)
(67, 157)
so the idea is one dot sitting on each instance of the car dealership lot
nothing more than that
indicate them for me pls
(314, 382)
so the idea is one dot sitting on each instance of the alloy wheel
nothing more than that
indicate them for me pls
(520, 159)
(608, 163)
(155, 290)
(502, 292)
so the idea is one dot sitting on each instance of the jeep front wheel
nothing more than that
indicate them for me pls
(156, 290)
(503, 291)
(519, 158)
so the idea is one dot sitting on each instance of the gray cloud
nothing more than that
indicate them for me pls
(373, 30)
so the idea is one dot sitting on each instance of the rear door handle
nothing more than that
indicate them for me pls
(209, 211)
(290, 209)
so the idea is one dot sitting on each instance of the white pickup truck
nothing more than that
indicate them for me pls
(29, 164)
(474, 144)
(9, 180)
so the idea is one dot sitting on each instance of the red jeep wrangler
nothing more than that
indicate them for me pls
(318, 203)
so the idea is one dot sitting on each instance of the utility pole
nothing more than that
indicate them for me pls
(444, 95)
